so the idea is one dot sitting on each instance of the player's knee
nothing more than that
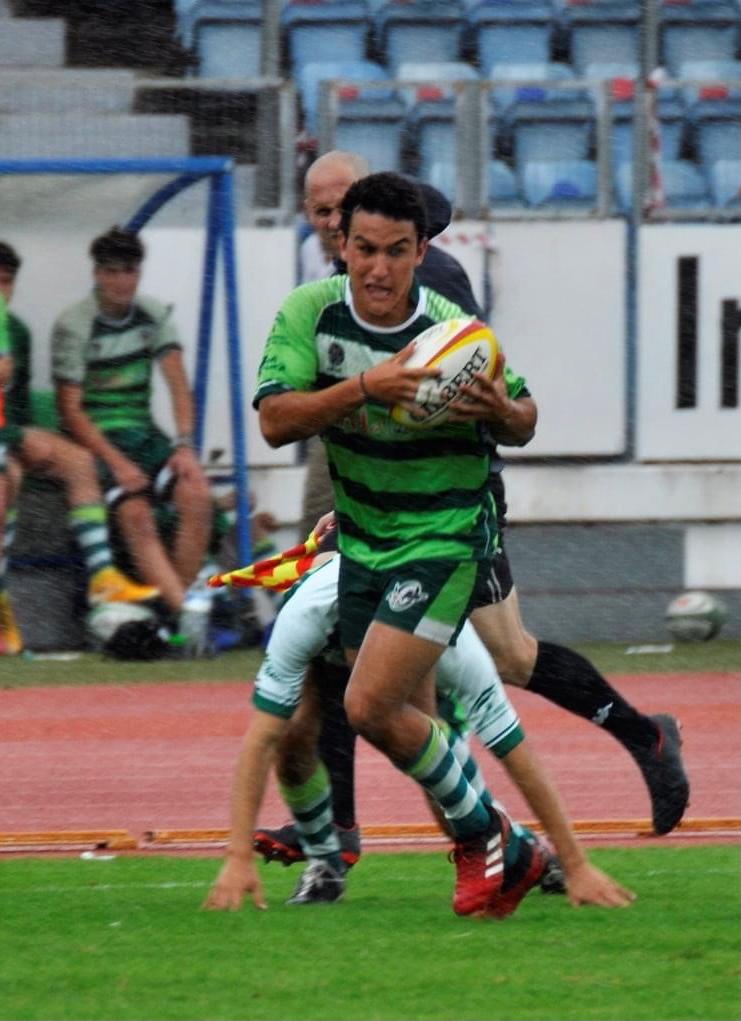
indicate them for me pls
(366, 714)
(515, 661)
(135, 517)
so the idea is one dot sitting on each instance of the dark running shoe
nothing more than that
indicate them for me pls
(664, 774)
(319, 884)
(479, 864)
(520, 878)
(283, 845)
(553, 879)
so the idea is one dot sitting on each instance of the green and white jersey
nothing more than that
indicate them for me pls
(400, 494)
(112, 360)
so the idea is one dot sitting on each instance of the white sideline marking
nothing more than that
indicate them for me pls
(107, 887)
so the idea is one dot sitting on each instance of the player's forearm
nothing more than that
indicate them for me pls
(516, 426)
(181, 398)
(543, 798)
(287, 417)
(250, 780)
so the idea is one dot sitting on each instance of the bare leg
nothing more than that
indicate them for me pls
(194, 506)
(139, 531)
(46, 453)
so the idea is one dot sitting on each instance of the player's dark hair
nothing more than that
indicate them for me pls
(9, 258)
(390, 195)
(117, 245)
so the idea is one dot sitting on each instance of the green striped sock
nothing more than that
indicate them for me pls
(440, 773)
(462, 751)
(459, 747)
(89, 524)
(311, 807)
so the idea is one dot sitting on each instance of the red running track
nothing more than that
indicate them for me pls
(151, 757)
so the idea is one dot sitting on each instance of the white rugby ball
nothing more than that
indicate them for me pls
(106, 618)
(459, 347)
(695, 616)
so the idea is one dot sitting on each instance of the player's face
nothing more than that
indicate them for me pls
(117, 283)
(381, 256)
(324, 193)
(7, 284)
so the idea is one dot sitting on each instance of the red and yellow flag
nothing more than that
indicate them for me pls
(277, 573)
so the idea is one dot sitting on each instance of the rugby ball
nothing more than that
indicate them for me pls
(459, 347)
(695, 616)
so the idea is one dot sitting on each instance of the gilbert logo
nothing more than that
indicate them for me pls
(406, 594)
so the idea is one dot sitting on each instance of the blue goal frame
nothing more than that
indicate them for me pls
(220, 230)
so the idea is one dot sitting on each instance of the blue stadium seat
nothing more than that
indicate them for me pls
(441, 175)
(547, 129)
(408, 31)
(564, 183)
(503, 97)
(602, 30)
(431, 129)
(430, 78)
(717, 128)
(725, 183)
(683, 183)
(508, 32)
(715, 80)
(503, 189)
(224, 35)
(698, 30)
(502, 186)
(372, 129)
(311, 75)
(318, 30)
(672, 122)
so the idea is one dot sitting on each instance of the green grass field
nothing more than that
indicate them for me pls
(125, 939)
(88, 668)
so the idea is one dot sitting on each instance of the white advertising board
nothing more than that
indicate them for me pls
(559, 312)
(688, 343)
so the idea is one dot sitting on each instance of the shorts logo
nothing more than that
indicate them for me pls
(406, 594)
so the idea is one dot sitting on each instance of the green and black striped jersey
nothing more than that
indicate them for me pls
(112, 360)
(400, 494)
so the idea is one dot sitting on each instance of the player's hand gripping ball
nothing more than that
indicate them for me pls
(459, 348)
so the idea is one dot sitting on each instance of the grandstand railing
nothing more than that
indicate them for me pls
(472, 112)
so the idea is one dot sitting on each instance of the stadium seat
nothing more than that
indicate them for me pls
(716, 79)
(502, 186)
(511, 32)
(602, 31)
(544, 129)
(311, 75)
(725, 183)
(441, 175)
(372, 129)
(698, 30)
(318, 30)
(425, 30)
(501, 182)
(224, 35)
(672, 124)
(717, 128)
(431, 126)
(433, 74)
(504, 96)
(563, 183)
(683, 184)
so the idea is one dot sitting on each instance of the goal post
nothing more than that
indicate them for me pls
(219, 250)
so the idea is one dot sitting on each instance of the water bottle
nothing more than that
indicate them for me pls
(194, 621)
